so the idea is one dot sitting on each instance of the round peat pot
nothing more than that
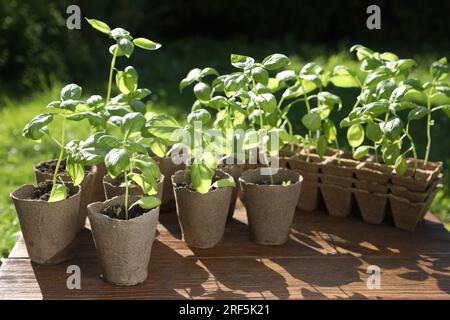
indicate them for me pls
(87, 186)
(202, 217)
(113, 190)
(168, 169)
(123, 246)
(234, 170)
(49, 228)
(270, 207)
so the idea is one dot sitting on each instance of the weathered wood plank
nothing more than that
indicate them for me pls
(324, 258)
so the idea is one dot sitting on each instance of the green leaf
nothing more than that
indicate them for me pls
(260, 75)
(147, 203)
(286, 183)
(439, 69)
(201, 177)
(417, 113)
(71, 92)
(392, 128)
(162, 126)
(132, 122)
(389, 56)
(126, 47)
(58, 193)
(343, 77)
(202, 91)
(193, 75)
(286, 75)
(241, 62)
(361, 152)
(266, 102)
(116, 161)
(95, 101)
(224, 183)
(119, 33)
(127, 80)
(110, 141)
(330, 131)
(35, 129)
(148, 184)
(355, 135)
(159, 146)
(201, 115)
(362, 52)
(146, 44)
(390, 154)
(321, 146)
(400, 165)
(276, 61)
(373, 132)
(208, 72)
(94, 119)
(99, 25)
(312, 121)
(76, 172)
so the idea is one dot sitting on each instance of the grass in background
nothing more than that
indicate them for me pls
(162, 73)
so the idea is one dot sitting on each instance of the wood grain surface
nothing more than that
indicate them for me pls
(325, 258)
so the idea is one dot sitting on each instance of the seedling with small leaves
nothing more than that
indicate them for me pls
(69, 107)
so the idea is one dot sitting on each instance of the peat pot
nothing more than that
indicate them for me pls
(270, 207)
(202, 217)
(49, 228)
(123, 246)
(168, 169)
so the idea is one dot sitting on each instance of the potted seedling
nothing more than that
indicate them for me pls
(124, 227)
(270, 194)
(229, 117)
(202, 193)
(124, 45)
(307, 86)
(49, 213)
(162, 143)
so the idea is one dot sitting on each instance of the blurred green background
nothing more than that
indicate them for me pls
(38, 54)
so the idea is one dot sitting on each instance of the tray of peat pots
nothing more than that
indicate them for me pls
(116, 187)
(270, 201)
(123, 233)
(309, 168)
(202, 197)
(44, 171)
(235, 171)
(49, 226)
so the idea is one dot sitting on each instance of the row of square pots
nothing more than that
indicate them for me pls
(345, 185)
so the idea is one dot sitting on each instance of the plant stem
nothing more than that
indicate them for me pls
(111, 71)
(126, 194)
(427, 154)
(61, 152)
(413, 146)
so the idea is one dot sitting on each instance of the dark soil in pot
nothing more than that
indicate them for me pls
(123, 246)
(373, 206)
(113, 188)
(234, 170)
(202, 217)
(168, 169)
(44, 171)
(342, 167)
(374, 172)
(49, 228)
(270, 207)
(338, 200)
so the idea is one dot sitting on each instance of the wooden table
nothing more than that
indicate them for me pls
(324, 258)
